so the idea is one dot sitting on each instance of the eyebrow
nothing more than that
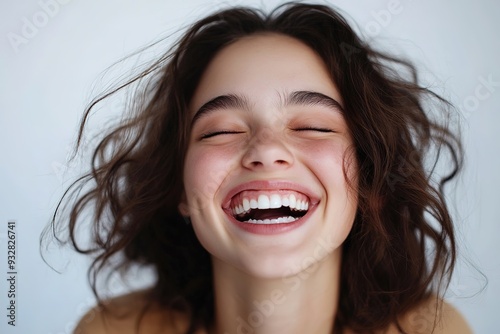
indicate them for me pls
(221, 102)
(313, 98)
(303, 98)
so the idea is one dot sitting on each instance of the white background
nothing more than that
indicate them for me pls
(47, 81)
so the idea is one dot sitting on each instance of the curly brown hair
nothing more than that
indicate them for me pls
(135, 183)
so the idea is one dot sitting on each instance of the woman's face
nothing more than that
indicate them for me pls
(263, 176)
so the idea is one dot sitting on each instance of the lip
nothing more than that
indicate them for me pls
(270, 229)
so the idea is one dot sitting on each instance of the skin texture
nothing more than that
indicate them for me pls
(287, 282)
(272, 141)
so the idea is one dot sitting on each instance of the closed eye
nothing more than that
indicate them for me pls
(314, 129)
(218, 133)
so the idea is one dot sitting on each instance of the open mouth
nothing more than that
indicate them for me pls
(279, 207)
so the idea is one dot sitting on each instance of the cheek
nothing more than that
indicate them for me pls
(204, 172)
(326, 158)
(327, 161)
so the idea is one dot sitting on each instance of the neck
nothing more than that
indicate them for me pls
(303, 303)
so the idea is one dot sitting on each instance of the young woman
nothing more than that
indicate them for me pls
(275, 175)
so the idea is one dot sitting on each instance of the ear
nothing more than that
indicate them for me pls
(183, 206)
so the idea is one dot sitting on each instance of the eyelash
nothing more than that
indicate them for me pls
(314, 129)
(216, 133)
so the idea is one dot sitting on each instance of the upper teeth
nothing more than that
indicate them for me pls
(273, 201)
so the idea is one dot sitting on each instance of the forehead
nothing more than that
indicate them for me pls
(264, 64)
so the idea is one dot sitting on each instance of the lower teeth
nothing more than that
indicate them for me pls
(281, 220)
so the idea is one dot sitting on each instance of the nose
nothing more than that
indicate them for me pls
(267, 152)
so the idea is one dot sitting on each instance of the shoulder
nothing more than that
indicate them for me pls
(435, 314)
(131, 314)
